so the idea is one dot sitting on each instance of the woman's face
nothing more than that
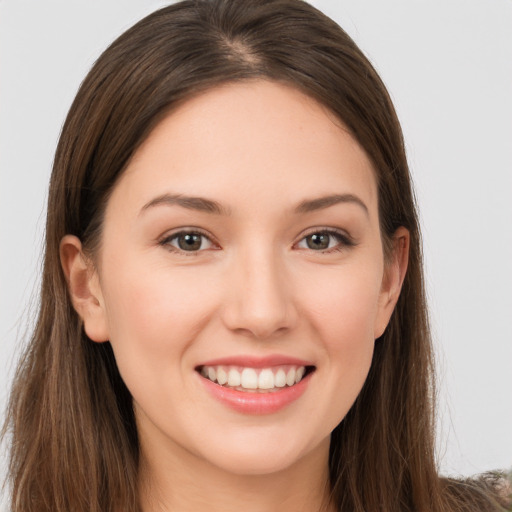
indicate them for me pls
(241, 248)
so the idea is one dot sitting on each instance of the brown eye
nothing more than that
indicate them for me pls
(191, 241)
(326, 241)
(318, 241)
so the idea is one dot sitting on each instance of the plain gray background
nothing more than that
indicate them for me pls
(448, 66)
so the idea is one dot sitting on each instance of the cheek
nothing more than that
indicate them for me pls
(153, 314)
(154, 317)
(343, 304)
(348, 339)
(343, 313)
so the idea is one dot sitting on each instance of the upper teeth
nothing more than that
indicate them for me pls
(254, 378)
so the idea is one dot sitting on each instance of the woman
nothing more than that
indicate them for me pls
(232, 309)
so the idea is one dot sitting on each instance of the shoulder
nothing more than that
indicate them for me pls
(488, 492)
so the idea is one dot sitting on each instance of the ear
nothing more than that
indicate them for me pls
(394, 274)
(84, 288)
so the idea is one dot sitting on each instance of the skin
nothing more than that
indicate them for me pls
(255, 287)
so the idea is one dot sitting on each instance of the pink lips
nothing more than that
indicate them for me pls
(256, 402)
(257, 362)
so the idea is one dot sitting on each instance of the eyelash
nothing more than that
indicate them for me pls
(166, 242)
(344, 240)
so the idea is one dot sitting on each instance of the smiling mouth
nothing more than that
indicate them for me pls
(255, 380)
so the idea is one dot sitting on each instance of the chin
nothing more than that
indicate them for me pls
(260, 457)
(257, 465)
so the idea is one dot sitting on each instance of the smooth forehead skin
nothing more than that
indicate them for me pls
(305, 141)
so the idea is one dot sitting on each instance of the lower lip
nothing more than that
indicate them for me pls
(256, 403)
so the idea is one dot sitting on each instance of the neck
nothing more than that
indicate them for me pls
(182, 482)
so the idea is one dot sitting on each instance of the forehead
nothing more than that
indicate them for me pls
(254, 138)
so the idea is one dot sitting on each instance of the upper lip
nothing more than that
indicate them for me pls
(248, 361)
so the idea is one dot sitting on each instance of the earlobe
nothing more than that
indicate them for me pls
(84, 288)
(394, 275)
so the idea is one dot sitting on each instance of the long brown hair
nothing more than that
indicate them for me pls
(74, 440)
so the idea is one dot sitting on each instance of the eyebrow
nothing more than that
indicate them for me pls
(203, 204)
(326, 201)
(191, 203)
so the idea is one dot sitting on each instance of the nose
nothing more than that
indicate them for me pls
(259, 300)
